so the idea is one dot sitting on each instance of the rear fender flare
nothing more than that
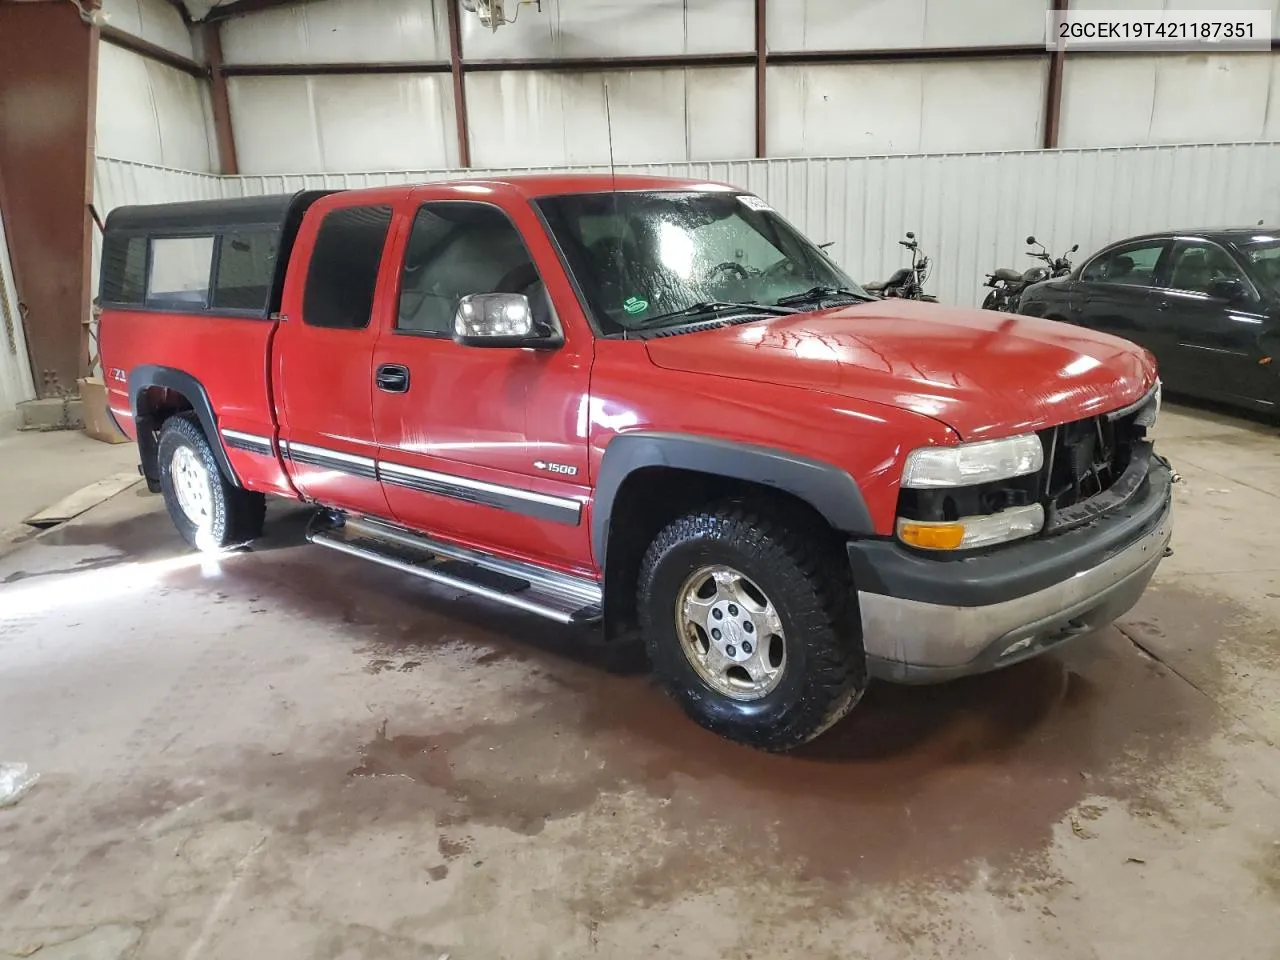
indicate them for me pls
(150, 375)
(826, 488)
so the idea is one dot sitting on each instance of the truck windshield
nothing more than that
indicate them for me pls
(644, 260)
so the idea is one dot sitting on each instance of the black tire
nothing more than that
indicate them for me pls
(992, 302)
(800, 569)
(235, 515)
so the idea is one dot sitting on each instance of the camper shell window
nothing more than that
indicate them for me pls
(218, 257)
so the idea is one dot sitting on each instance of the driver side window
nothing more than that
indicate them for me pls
(1196, 266)
(1129, 266)
(456, 249)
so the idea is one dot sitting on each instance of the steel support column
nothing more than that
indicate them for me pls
(48, 92)
(228, 164)
(762, 68)
(1053, 89)
(459, 83)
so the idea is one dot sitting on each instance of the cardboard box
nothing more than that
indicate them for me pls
(97, 420)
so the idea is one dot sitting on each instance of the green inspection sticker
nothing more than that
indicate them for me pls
(634, 305)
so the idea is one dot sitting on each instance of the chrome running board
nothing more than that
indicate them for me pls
(547, 593)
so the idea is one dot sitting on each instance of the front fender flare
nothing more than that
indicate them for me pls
(826, 488)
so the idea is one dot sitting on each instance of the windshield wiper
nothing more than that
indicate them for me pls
(823, 293)
(715, 306)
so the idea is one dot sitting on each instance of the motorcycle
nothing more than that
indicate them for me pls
(907, 283)
(1007, 285)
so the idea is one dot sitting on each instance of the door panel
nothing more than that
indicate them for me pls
(1113, 293)
(485, 446)
(323, 373)
(1119, 310)
(1213, 342)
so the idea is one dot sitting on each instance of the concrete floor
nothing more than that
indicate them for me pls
(39, 469)
(289, 753)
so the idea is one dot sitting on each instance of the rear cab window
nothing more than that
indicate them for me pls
(343, 274)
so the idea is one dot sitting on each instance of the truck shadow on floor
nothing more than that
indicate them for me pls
(399, 623)
(402, 621)
(912, 781)
(150, 536)
(914, 778)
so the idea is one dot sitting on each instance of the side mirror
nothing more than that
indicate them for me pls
(1074, 248)
(1227, 288)
(1030, 241)
(499, 320)
(910, 235)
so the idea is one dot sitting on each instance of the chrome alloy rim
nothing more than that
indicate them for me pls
(191, 485)
(731, 633)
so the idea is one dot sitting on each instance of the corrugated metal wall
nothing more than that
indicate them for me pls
(15, 371)
(1171, 98)
(678, 113)
(152, 113)
(148, 111)
(970, 211)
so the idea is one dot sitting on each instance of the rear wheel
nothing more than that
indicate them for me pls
(750, 624)
(992, 302)
(209, 511)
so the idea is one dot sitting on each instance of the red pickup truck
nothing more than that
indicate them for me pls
(645, 403)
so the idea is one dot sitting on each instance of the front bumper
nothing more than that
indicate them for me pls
(925, 620)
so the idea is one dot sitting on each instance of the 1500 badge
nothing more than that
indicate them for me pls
(561, 468)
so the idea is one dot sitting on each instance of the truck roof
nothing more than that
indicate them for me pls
(273, 209)
(558, 184)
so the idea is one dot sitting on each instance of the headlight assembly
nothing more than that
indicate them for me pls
(973, 463)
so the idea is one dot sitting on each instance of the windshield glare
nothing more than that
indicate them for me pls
(1264, 254)
(639, 256)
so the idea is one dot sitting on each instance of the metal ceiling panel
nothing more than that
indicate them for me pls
(350, 31)
(568, 29)
(1175, 98)
(156, 21)
(844, 109)
(315, 123)
(705, 113)
(808, 25)
(152, 113)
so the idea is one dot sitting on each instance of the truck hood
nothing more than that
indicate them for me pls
(984, 374)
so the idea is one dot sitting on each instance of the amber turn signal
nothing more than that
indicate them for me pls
(931, 536)
(970, 532)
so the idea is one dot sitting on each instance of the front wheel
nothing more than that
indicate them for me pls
(209, 511)
(751, 626)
